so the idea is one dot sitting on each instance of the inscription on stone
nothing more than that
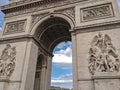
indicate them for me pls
(15, 27)
(103, 56)
(7, 61)
(96, 12)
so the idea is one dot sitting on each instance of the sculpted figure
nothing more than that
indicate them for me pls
(100, 64)
(92, 62)
(7, 61)
(103, 55)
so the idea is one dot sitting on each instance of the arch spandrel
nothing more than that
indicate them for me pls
(53, 29)
(65, 17)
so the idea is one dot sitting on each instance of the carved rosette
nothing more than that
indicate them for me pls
(7, 61)
(103, 56)
(96, 12)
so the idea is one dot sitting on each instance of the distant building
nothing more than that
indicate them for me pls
(59, 88)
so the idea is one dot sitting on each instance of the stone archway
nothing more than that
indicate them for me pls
(49, 33)
(34, 27)
(52, 31)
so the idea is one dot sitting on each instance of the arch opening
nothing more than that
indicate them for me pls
(50, 33)
(38, 73)
(61, 76)
(53, 31)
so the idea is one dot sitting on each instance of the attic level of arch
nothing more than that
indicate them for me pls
(31, 4)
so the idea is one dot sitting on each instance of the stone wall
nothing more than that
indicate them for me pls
(95, 29)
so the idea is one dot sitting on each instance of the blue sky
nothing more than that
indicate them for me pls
(2, 2)
(62, 60)
(62, 65)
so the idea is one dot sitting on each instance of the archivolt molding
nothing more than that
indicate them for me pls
(67, 11)
(103, 56)
(7, 61)
(37, 18)
(58, 24)
(54, 43)
(46, 16)
(42, 57)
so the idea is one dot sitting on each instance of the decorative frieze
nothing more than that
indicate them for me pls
(35, 6)
(103, 56)
(7, 61)
(96, 12)
(15, 27)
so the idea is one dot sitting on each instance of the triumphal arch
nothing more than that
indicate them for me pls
(32, 28)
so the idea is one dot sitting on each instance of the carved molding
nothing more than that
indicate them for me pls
(15, 27)
(67, 11)
(103, 56)
(96, 12)
(96, 27)
(35, 6)
(37, 18)
(7, 61)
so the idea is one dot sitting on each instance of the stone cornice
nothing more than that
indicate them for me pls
(96, 27)
(21, 5)
(24, 4)
(25, 37)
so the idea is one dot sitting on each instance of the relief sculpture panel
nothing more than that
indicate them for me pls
(103, 56)
(96, 12)
(7, 61)
(15, 27)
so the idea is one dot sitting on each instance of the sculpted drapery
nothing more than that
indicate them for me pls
(7, 61)
(103, 56)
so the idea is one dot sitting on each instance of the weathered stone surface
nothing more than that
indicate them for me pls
(32, 28)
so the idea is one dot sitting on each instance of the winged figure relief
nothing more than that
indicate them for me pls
(103, 56)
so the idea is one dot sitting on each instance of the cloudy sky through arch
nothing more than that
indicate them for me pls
(62, 65)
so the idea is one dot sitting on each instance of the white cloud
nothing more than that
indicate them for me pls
(61, 58)
(64, 44)
(61, 81)
(64, 81)
(67, 52)
(62, 61)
